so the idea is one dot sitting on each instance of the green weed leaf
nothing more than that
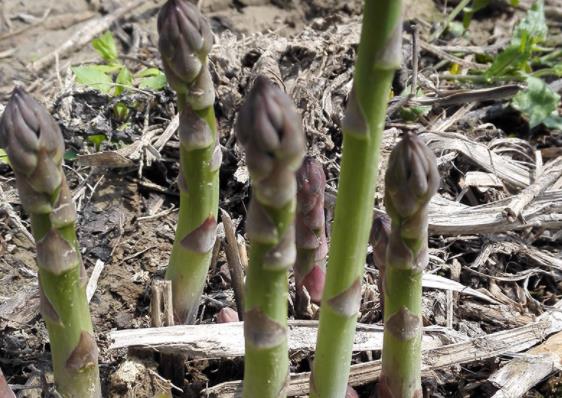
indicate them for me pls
(4, 157)
(92, 76)
(97, 140)
(124, 80)
(538, 103)
(149, 72)
(533, 26)
(155, 83)
(106, 47)
(553, 122)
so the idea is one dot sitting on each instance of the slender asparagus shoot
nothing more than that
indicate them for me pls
(411, 180)
(380, 232)
(270, 131)
(378, 58)
(311, 243)
(185, 40)
(35, 147)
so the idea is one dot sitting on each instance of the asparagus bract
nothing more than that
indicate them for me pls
(378, 58)
(35, 147)
(311, 243)
(411, 180)
(271, 133)
(185, 40)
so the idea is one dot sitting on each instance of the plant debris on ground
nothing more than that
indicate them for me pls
(482, 90)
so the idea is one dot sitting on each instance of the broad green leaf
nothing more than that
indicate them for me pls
(106, 47)
(106, 68)
(124, 80)
(149, 72)
(91, 76)
(153, 82)
(537, 103)
(553, 121)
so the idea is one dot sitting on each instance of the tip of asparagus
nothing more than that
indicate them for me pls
(412, 177)
(33, 141)
(185, 40)
(269, 129)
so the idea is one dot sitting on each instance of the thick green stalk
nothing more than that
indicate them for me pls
(411, 180)
(185, 41)
(271, 133)
(266, 361)
(70, 332)
(378, 58)
(199, 198)
(35, 147)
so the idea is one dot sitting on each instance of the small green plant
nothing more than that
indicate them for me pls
(539, 104)
(112, 77)
(527, 36)
(526, 58)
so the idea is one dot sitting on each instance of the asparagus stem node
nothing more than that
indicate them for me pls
(185, 40)
(271, 133)
(378, 58)
(35, 147)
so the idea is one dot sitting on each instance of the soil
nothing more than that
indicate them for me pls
(127, 215)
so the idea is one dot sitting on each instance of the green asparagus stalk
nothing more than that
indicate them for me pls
(311, 243)
(380, 232)
(411, 180)
(35, 147)
(185, 40)
(271, 133)
(378, 58)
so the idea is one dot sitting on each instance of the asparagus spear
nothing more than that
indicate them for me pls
(185, 40)
(270, 131)
(312, 247)
(35, 147)
(380, 231)
(411, 180)
(378, 58)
